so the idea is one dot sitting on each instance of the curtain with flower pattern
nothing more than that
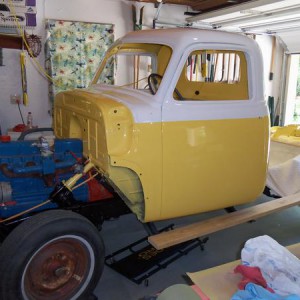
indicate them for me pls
(74, 51)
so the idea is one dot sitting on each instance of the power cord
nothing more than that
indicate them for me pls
(22, 33)
(18, 102)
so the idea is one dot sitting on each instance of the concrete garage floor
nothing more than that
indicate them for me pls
(222, 247)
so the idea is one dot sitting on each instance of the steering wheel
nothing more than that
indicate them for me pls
(154, 81)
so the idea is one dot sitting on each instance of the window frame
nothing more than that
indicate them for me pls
(214, 91)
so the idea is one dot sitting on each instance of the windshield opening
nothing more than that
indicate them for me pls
(131, 64)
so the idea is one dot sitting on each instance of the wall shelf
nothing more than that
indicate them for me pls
(11, 41)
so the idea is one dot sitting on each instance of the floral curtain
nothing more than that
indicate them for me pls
(74, 51)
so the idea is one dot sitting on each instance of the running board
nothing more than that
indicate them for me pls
(196, 230)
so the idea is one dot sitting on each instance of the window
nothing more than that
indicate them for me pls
(133, 63)
(214, 75)
(292, 96)
(130, 69)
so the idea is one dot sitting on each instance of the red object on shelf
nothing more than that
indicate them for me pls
(19, 128)
(5, 138)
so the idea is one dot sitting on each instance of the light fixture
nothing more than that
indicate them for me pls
(231, 9)
(287, 11)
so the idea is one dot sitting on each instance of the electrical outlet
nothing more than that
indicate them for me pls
(15, 99)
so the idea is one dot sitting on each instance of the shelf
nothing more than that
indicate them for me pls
(11, 41)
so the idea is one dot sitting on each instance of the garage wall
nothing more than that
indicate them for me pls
(117, 12)
(10, 83)
(272, 87)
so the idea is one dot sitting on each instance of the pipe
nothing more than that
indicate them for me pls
(157, 14)
(10, 174)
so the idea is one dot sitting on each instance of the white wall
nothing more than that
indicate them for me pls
(272, 87)
(104, 11)
(291, 88)
(10, 83)
(117, 12)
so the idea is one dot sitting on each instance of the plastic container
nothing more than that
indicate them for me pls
(29, 120)
(5, 138)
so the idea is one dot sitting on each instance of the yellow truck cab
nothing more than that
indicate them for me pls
(181, 128)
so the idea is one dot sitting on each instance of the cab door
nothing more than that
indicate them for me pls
(215, 133)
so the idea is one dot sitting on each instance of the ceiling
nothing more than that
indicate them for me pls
(272, 17)
(200, 6)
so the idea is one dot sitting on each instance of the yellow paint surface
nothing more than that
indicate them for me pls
(213, 164)
(165, 170)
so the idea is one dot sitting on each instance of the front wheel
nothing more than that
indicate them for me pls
(54, 255)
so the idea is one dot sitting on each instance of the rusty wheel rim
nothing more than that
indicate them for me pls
(60, 269)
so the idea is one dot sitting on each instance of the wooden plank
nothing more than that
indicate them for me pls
(192, 231)
(272, 63)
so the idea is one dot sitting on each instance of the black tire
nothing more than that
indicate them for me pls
(56, 254)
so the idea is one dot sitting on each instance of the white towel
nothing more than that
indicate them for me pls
(284, 178)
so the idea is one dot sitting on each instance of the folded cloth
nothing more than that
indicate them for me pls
(251, 274)
(279, 267)
(256, 292)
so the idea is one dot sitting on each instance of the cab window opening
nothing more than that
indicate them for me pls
(214, 75)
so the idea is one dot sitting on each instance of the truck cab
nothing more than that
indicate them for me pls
(175, 120)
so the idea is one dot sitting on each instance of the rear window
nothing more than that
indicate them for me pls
(214, 75)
